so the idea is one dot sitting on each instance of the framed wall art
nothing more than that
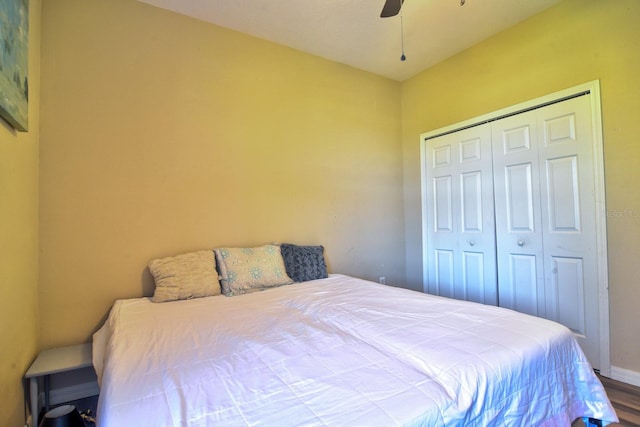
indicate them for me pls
(14, 61)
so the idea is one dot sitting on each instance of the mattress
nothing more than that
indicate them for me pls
(339, 351)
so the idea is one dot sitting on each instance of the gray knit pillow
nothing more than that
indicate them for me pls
(304, 262)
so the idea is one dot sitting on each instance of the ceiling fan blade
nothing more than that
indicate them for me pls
(391, 8)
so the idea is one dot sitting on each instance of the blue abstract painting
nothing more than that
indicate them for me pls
(14, 61)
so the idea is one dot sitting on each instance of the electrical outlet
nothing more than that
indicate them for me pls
(382, 279)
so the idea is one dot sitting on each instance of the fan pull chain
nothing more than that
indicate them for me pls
(403, 57)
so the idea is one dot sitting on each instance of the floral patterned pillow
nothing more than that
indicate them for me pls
(244, 270)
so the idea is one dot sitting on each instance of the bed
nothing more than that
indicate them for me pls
(339, 351)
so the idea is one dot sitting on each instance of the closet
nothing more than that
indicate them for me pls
(513, 213)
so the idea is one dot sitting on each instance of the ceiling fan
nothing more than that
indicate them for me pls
(392, 8)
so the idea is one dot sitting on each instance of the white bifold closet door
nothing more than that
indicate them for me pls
(462, 250)
(511, 216)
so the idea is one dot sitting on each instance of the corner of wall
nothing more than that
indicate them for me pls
(19, 244)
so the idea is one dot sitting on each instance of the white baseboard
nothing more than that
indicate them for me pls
(625, 375)
(73, 392)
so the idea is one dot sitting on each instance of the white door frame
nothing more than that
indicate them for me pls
(592, 90)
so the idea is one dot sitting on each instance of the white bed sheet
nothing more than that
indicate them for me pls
(336, 352)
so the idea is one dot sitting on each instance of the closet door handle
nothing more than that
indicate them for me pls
(472, 243)
(520, 243)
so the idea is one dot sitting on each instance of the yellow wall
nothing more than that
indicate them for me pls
(572, 43)
(19, 242)
(162, 134)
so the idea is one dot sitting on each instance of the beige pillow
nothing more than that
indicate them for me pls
(244, 270)
(191, 275)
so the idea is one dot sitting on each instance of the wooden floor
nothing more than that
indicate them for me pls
(625, 398)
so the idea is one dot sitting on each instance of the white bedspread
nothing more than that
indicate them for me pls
(339, 352)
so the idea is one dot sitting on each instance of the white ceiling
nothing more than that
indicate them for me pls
(351, 31)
